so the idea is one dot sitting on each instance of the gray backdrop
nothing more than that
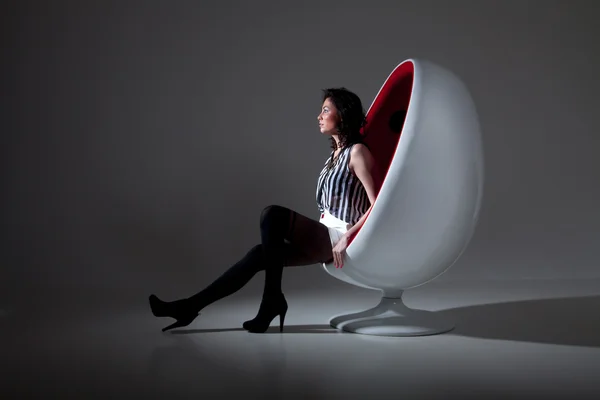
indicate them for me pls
(141, 140)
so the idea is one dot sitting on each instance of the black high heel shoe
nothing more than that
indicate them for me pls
(270, 307)
(180, 310)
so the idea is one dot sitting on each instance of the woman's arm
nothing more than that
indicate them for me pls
(363, 165)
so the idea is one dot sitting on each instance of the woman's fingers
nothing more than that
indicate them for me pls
(338, 259)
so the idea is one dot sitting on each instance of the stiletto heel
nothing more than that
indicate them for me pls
(180, 310)
(180, 323)
(281, 319)
(270, 307)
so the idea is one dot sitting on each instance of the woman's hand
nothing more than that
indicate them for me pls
(339, 251)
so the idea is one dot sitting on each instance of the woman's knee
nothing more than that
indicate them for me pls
(273, 212)
(274, 220)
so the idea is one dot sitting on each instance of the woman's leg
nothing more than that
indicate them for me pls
(288, 238)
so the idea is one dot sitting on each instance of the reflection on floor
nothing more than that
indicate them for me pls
(525, 339)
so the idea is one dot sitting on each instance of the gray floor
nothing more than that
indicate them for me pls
(524, 339)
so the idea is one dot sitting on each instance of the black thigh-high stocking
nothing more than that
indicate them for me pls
(232, 280)
(287, 239)
(276, 225)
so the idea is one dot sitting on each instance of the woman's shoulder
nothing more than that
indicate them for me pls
(359, 148)
(359, 155)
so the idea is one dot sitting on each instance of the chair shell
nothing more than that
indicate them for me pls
(423, 131)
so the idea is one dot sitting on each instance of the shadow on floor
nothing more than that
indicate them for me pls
(564, 321)
(573, 321)
(273, 329)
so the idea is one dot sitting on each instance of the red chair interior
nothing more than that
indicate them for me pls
(385, 118)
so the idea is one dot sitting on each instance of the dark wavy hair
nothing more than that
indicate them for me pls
(351, 113)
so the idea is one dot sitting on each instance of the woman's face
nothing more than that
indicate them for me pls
(328, 119)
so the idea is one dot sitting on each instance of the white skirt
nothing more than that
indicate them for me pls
(336, 227)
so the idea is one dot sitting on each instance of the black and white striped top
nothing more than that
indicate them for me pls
(340, 192)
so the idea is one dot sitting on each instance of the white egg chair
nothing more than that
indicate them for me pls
(423, 131)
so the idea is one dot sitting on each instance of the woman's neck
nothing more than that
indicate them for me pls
(338, 143)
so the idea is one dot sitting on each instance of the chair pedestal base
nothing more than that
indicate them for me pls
(391, 317)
